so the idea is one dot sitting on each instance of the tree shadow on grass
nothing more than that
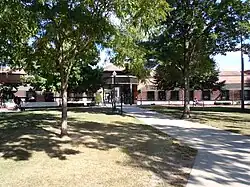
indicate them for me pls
(23, 133)
(92, 110)
(147, 147)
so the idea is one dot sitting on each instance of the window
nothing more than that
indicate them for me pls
(225, 95)
(49, 97)
(174, 95)
(161, 95)
(206, 95)
(247, 94)
(191, 95)
(151, 95)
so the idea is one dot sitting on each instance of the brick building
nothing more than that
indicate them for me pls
(149, 92)
(231, 90)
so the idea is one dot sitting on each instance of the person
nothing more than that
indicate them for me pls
(195, 101)
(108, 97)
(17, 101)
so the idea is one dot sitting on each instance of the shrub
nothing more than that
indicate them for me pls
(98, 98)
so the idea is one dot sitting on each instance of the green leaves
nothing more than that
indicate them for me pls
(193, 32)
(16, 27)
(204, 75)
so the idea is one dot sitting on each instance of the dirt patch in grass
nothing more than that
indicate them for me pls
(101, 150)
(229, 119)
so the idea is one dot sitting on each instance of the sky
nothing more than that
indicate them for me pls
(229, 62)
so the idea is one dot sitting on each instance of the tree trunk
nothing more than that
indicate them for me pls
(186, 111)
(186, 61)
(64, 111)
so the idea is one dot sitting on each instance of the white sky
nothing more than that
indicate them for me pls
(231, 62)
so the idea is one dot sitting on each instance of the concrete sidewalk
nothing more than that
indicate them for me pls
(223, 158)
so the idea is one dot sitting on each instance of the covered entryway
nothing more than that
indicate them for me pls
(118, 83)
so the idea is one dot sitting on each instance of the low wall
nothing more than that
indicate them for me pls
(51, 104)
(191, 102)
(40, 104)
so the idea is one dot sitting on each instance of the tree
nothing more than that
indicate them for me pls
(7, 91)
(82, 79)
(194, 31)
(67, 31)
(240, 28)
(90, 80)
(204, 76)
(16, 27)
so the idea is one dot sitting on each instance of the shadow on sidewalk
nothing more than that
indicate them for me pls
(225, 155)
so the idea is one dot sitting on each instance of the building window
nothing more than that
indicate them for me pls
(225, 95)
(247, 94)
(49, 97)
(151, 95)
(206, 95)
(191, 95)
(174, 96)
(161, 95)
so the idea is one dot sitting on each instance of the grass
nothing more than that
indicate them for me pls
(102, 150)
(226, 118)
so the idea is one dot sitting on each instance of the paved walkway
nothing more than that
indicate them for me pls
(223, 158)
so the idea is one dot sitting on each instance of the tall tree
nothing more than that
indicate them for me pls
(195, 30)
(204, 76)
(67, 31)
(86, 79)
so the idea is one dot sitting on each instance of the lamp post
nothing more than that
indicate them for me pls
(242, 75)
(121, 102)
(114, 97)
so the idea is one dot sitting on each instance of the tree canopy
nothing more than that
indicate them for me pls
(66, 33)
(193, 32)
(16, 27)
(204, 76)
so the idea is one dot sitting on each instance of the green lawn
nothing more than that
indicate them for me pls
(102, 150)
(227, 118)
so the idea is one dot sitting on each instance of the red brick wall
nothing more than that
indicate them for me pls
(20, 93)
(198, 94)
(168, 95)
(235, 94)
(142, 95)
(40, 98)
(156, 95)
(215, 95)
(181, 95)
(9, 78)
(135, 92)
